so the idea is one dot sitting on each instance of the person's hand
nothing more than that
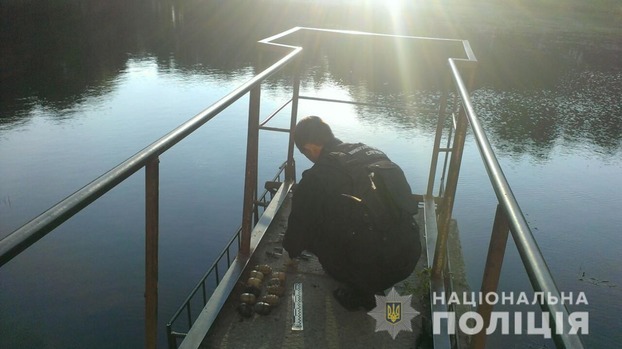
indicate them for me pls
(290, 263)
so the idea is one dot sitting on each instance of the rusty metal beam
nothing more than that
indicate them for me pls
(492, 271)
(209, 313)
(152, 178)
(290, 169)
(437, 142)
(444, 217)
(250, 180)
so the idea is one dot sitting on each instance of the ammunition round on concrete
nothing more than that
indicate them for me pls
(274, 282)
(248, 298)
(264, 268)
(254, 282)
(279, 275)
(271, 299)
(262, 308)
(252, 289)
(256, 274)
(276, 290)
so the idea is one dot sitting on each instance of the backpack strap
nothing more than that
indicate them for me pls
(350, 155)
(382, 172)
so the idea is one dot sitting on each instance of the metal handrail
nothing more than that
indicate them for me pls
(31, 232)
(170, 332)
(537, 269)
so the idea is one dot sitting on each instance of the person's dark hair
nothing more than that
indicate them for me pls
(312, 129)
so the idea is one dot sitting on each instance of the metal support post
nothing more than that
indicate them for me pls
(444, 219)
(492, 271)
(152, 174)
(250, 180)
(290, 168)
(437, 142)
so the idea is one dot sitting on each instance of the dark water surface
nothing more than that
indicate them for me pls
(86, 85)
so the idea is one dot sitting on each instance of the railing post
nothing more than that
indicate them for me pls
(250, 180)
(437, 142)
(492, 271)
(444, 219)
(172, 341)
(290, 168)
(538, 272)
(151, 252)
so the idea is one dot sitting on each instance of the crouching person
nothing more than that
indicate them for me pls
(354, 210)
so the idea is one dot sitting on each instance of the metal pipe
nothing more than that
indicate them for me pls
(189, 315)
(537, 269)
(31, 232)
(216, 272)
(213, 268)
(204, 293)
(440, 251)
(450, 134)
(331, 100)
(172, 340)
(275, 129)
(290, 169)
(250, 181)
(152, 176)
(271, 116)
(437, 142)
(208, 315)
(492, 271)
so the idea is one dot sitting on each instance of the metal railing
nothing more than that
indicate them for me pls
(508, 218)
(202, 324)
(206, 286)
(148, 158)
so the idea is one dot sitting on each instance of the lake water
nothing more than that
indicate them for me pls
(81, 93)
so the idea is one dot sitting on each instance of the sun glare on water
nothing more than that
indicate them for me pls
(394, 10)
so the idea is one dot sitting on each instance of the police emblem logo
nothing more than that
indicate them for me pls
(393, 313)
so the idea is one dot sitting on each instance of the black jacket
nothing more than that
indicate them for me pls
(314, 217)
(321, 221)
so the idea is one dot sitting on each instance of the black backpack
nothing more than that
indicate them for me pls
(379, 198)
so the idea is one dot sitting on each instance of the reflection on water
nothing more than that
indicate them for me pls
(581, 109)
(86, 85)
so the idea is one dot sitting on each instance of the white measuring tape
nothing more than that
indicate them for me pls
(297, 298)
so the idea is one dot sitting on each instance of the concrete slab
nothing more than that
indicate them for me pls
(326, 323)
